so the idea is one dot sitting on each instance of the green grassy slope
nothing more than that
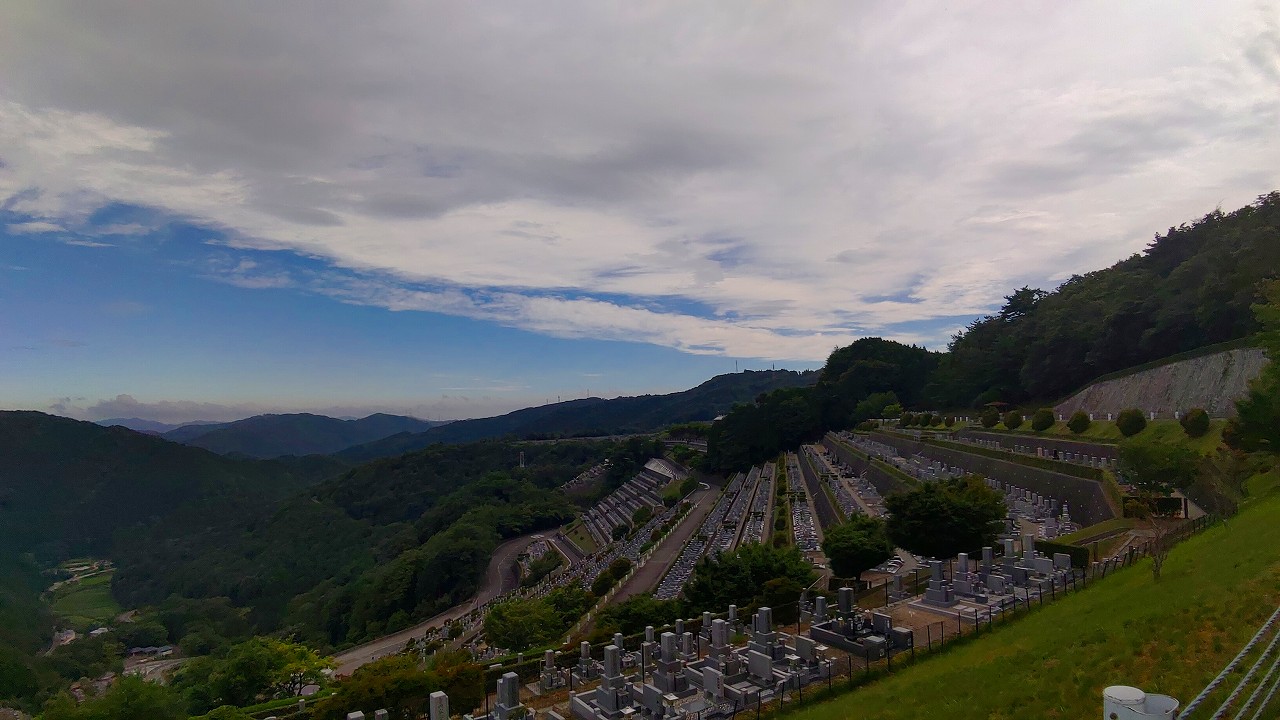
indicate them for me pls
(1171, 637)
(1162, 431)
(87, 603)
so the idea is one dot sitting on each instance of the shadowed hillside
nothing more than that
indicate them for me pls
(268, 436)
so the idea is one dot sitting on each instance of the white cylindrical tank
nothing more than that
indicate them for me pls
(1121, 702)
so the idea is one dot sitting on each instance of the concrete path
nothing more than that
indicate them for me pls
(647, 577)
(498, 579)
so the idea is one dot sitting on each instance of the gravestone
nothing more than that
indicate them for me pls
(881, 623)
(689, 648)
(712, 684)
(760, 667)
(508, 702)
(438, 706)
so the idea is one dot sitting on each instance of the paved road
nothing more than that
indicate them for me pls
(824, 511)
(646, 578)
(498, 578)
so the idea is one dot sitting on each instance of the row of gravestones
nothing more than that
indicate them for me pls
(681, 676)
(770, 662)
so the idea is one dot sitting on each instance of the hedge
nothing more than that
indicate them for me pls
(1079, 555)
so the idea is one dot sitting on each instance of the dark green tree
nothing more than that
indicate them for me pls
(1012, 419)
(1154, 470)
(1079, 422)
(1195, 423)
(857, 546)
(130, 697)
(990, 417)
(944, 518)
(739, 577)
(1043, 419)
(1256, 426)
(1131, 422)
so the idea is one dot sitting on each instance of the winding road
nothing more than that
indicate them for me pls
(499, 578)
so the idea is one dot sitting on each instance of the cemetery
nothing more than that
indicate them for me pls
(720, 664)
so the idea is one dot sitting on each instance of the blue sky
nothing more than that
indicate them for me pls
(209, 210)
(137, 316)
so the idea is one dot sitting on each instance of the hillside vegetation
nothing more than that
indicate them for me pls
(372, 550)
(68, 487)
(1170, 637)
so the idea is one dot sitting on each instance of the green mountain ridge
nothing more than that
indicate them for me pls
(597, 416)
(272, 435)
(68, 487)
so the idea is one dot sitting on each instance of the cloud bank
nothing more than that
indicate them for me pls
(761, 181)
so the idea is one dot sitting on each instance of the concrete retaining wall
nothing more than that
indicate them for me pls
(1213, 382)
(1007, 440)
(1087, 499)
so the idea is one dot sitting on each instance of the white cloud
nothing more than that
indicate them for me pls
(806, 173)
(35, 226)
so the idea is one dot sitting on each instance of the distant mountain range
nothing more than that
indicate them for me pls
(152, 427)
(595, 416)
(269, 436)
(381, 435)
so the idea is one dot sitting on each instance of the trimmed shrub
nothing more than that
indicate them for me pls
(1043, 419)
(950, 421)
(1131, 422)
(990, 417)
(1079, 422)
(1013, 419)
(1195, 422)
(906, 420)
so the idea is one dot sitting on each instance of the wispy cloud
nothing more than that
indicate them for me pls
(80, 242)
(34, 226)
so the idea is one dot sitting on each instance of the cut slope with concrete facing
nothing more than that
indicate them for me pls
(1213, 382)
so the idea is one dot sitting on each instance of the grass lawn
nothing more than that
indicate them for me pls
(1170, 637)
(581, 537)
(1106, 526)
(88, 602)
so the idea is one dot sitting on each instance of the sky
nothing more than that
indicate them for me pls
(454, 209)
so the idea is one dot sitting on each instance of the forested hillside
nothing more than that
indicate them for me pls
(372, 550)
(597, 417)
(269, 436)
(1193, 286)
(69, 487)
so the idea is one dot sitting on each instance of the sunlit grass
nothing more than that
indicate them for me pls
(86, 603)
(1170, 637)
